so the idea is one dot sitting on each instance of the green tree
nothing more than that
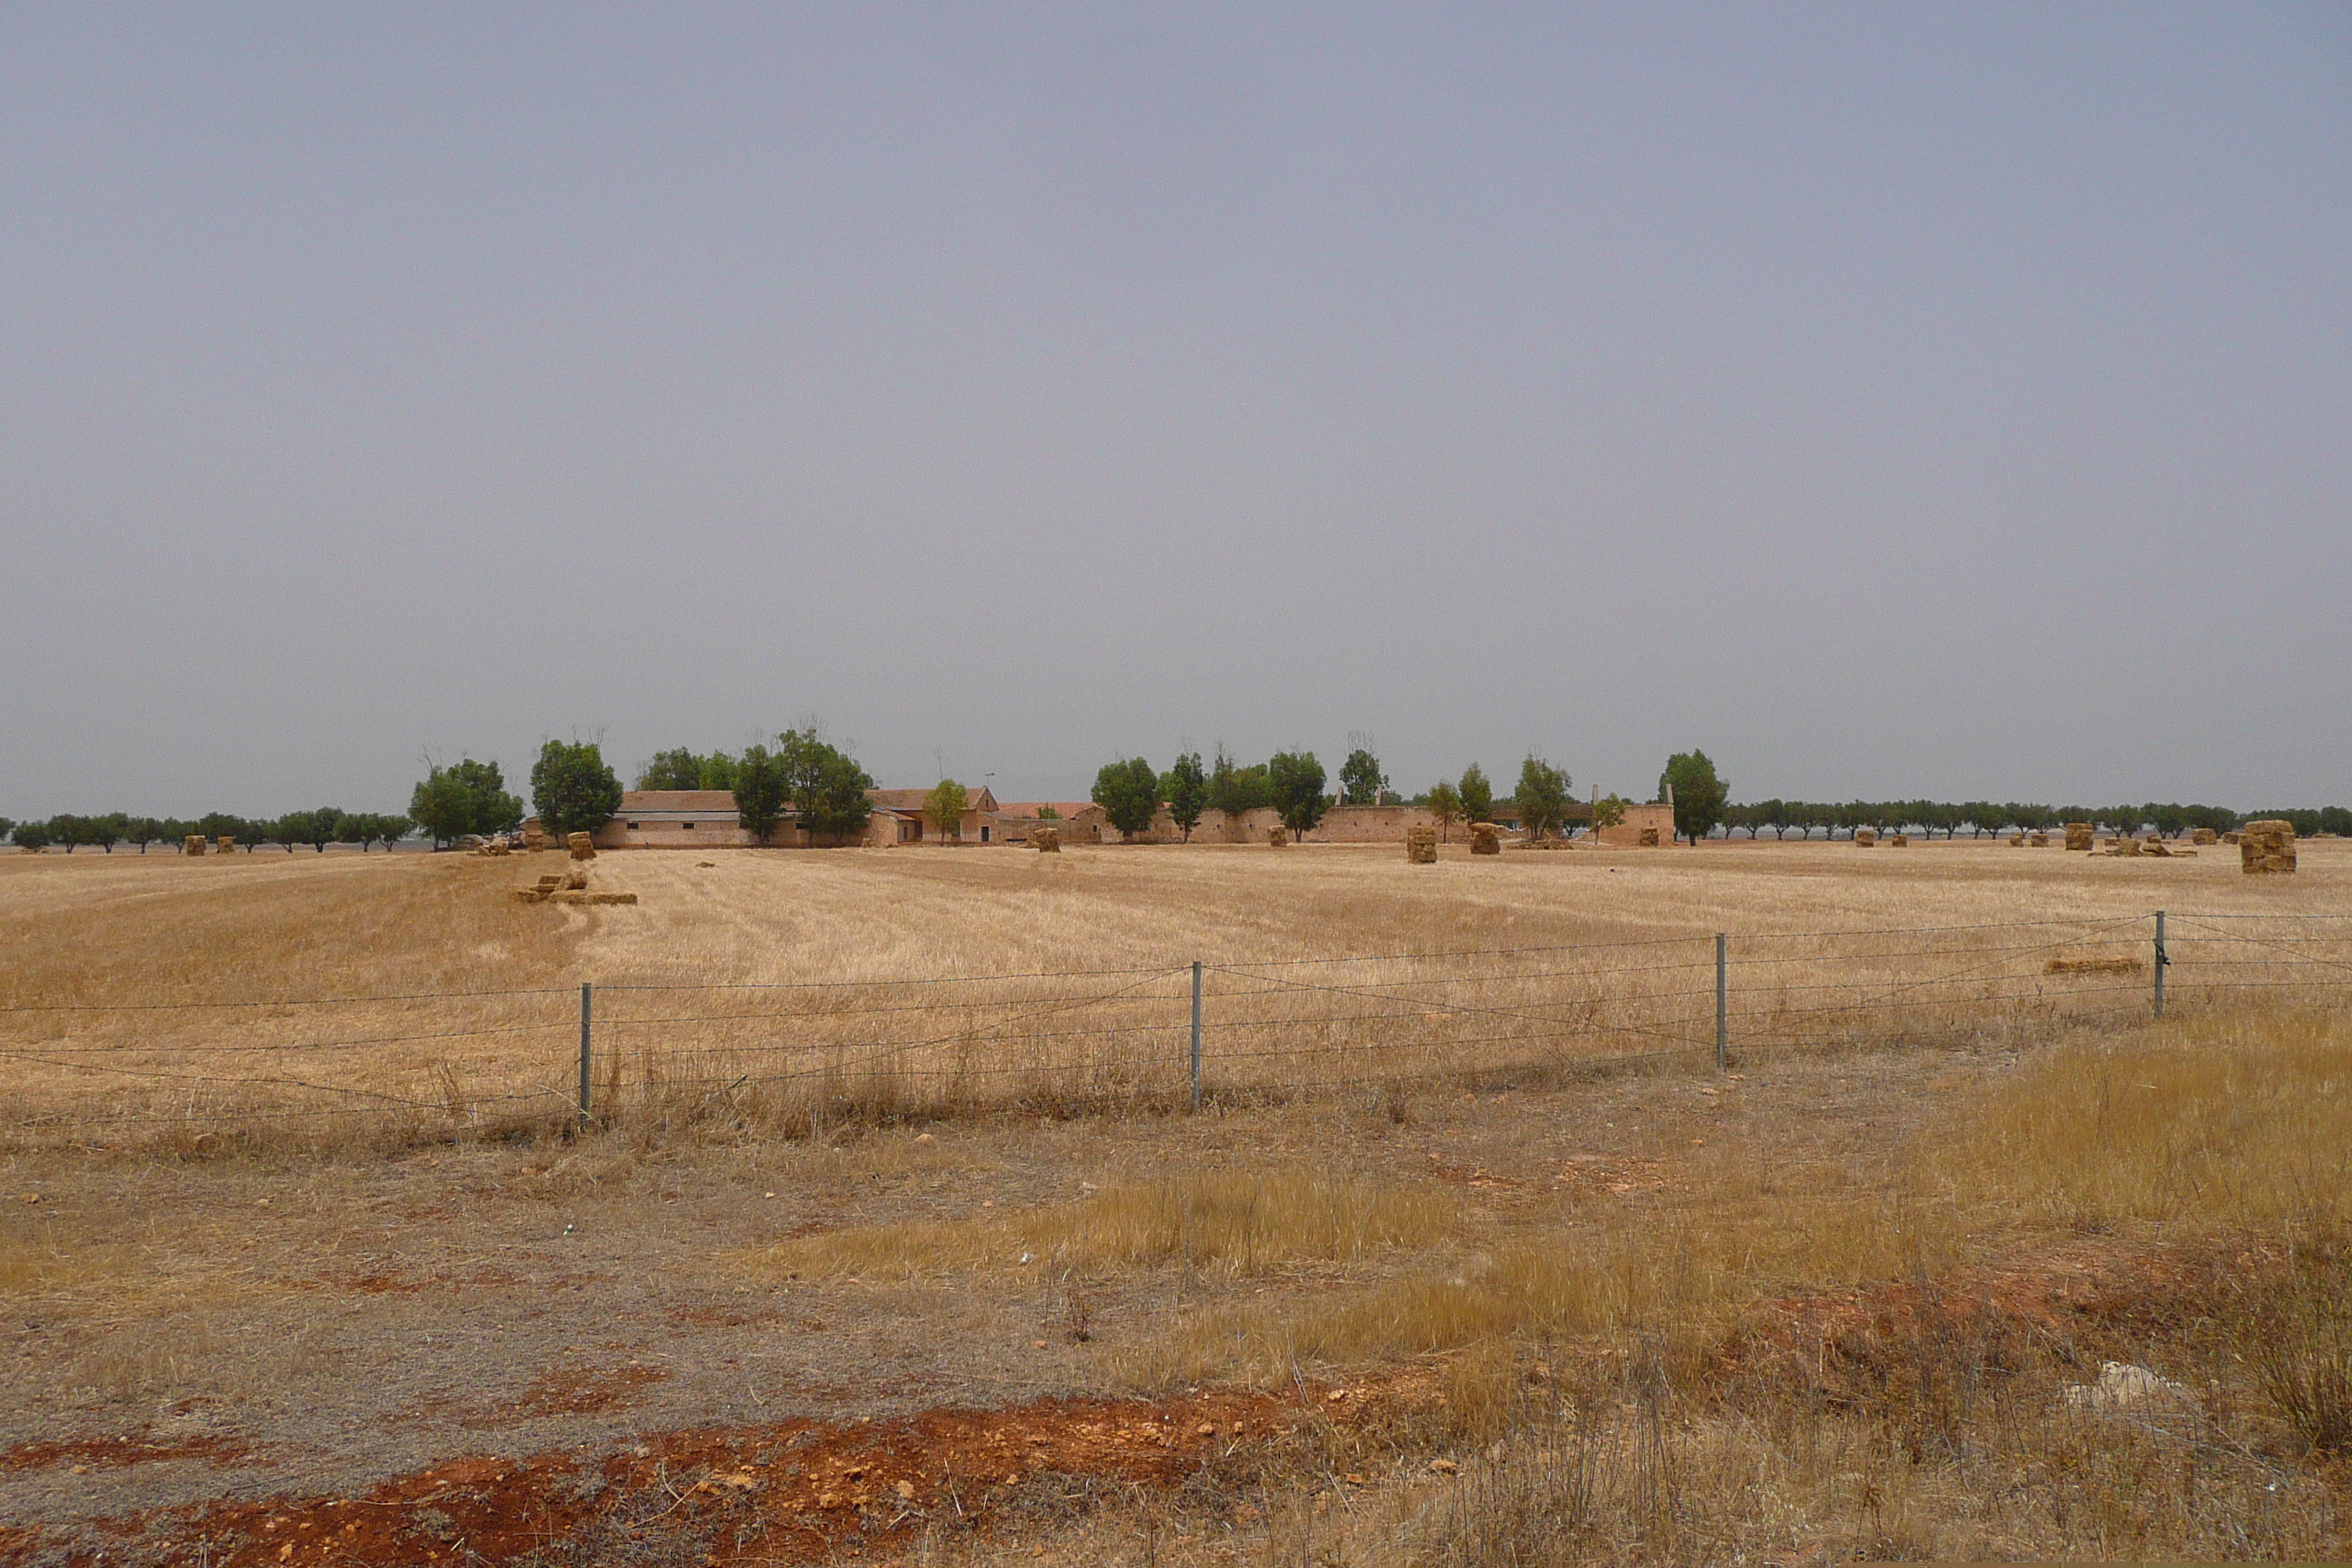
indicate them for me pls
(676, 769)
(32, 837)
(1295, 780)
(108, 829)
(1478, 794)
(142, 831)
(288, 830)
(1128, 792)
(1233, 789)
(374, 827)
(824, 784)
(760, 793)
(573, 789)
(465, 797)
(1187, 790)
(1608, 811)
(1445, 805)
(1699, 795)
(1542, 796)
(944, 806)
(1361, 783)
(1046, 813)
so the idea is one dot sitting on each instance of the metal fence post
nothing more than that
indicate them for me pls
(2162, 961)
(1722, 1016)
(1196, 1033)
(583, 1053)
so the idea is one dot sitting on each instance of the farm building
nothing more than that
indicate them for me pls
(706, 819)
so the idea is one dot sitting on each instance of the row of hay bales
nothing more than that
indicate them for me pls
(197, 844)
(569, 888)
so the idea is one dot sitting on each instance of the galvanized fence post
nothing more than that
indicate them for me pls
(2162, 963)
(1722, 1016)
(1196, 1033)
(583, 1053)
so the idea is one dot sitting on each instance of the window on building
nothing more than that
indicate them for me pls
(633, 826)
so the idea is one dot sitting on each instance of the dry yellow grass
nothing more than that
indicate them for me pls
(2213, 1124)
(1228, 1223)
(196, 973)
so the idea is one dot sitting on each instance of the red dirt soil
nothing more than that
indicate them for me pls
(116, 1452)
(797, 1492)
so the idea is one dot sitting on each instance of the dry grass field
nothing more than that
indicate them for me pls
(893, 1235)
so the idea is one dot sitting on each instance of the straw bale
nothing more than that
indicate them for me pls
(195, 844)
(2232, 838)
(1483, 839)
(574, 896)
(575, 879)
(2078, 836)
(2094, 966)
(1649, 840)
(1277, 838)
(1866, 838)
(2203, 836)
(1048, 840)
(535, 894)
(1900, 841)
(226, 844)
(2017, 841)
(2041, 840)
(1420, 846)
(582, 848)
(2266, 849)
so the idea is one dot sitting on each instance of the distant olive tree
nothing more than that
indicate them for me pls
(1445, 805)
(945, 806)
(1128, 792)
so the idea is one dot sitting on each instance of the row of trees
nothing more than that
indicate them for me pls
(316, 829)
(1976, 817)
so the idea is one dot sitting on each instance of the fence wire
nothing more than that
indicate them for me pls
(792, 1056)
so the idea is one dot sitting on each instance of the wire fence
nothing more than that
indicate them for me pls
(792, 1057)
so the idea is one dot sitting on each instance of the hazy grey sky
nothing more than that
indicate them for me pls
(1887, 399)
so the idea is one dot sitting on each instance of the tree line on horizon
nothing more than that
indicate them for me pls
(808, 780)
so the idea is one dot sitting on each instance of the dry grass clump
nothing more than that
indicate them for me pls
(2225, 1125)
(1229, 1223)
(2231, 1121)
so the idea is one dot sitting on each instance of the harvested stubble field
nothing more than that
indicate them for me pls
(1473, 1258)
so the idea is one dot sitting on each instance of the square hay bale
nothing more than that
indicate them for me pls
(2232, 838)
(2017, 840)
(535, 894)
(1649, 840)
(575, 879)
(1420, 846)
(226, 844)
(2266, 849)
(575, 896)
(1866, 838)
(1277, 838)
(1900, 841)
(2202, 836)
(1484, 839)
(2095, 966)
(2078, 836)
(2041, 840)
(1048, 840)
(582, 846)
(2154, 845)
(194, 844)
